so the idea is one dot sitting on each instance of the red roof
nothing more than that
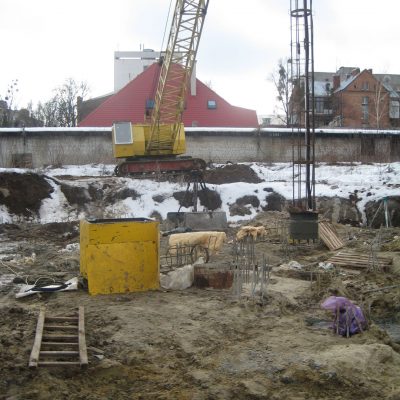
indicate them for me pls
(129, 104)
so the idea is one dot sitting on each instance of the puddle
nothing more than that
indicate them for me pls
(317, 323)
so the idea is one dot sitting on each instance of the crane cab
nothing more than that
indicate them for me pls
(135, 140)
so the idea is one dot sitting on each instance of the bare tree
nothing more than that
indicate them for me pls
(47, 113)
(380, 101)
(66, 97)
(9, 103)
(280, 78)
(62, 109)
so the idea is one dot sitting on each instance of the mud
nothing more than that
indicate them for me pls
(204, 343)
(231, 173)
(201, 344)
(23, 193)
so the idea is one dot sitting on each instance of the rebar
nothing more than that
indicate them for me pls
(375, 246)
(248, 270)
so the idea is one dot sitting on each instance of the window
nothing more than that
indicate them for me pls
(319, 105)
(211, 104)
(365, 108)
(365, 86)
(394, 109)
(266, 121)
(149, 104)
(122, 133)
(327, 87)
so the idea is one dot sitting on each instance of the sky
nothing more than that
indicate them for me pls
(45, 42)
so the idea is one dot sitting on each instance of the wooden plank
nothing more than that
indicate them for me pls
(82, 340)
(61, 327)
(57, 363)
(356, 260)
(329, 236)
(360, 260)
(34, 357)
(60, 337)
(360, 256)
(61, 319)
(56, 353)
(66, 344)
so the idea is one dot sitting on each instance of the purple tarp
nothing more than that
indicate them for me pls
(348, 318)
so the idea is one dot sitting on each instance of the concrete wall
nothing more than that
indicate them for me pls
(56, 146)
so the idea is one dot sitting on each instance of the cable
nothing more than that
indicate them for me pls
(8, 267)
(165, 28)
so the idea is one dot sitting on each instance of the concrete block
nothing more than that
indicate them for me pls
(200, 221)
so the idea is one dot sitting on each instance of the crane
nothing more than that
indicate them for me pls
(155, 147)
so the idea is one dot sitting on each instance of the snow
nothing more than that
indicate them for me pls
(80, 170)
(54, 208)
(368, 181)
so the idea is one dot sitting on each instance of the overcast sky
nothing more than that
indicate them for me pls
(44, 42)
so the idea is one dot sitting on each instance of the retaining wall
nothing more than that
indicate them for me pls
(56, 146)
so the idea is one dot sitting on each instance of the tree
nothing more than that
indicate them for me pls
(66, 98)
(280, 78)
(47, 113)
(8, 104)
(62, 109)
(380, 99)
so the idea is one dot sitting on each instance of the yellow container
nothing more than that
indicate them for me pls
(119, 255)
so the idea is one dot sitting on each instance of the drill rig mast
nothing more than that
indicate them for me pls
(155, 147)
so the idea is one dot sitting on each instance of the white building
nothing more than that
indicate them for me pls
(129, 64)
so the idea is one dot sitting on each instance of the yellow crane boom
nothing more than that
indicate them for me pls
(154, 147)
(176, 70)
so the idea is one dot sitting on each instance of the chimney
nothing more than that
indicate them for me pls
(369, 70)
(336, 81)
(355, 71)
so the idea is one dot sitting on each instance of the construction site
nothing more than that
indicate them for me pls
(166, 276)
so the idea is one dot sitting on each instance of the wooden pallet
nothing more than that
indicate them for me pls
(329, 236)
(357, 260)
(59, 341)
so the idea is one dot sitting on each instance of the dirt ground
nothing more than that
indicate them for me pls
(202, 343)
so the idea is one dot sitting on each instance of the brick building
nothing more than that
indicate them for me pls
(357, 99)
(363, 100)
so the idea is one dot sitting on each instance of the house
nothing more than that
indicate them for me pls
(357, 99)
(203, 107)
(363, 100)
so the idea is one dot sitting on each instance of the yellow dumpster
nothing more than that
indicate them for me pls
(119, 255)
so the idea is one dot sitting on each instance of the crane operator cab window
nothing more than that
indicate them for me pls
(122, 133)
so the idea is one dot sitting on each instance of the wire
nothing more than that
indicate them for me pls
(9, 268)
(165, 28)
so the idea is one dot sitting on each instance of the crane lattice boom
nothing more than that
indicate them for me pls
(176, 70)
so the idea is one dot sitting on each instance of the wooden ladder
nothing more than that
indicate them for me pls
(59, 341)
